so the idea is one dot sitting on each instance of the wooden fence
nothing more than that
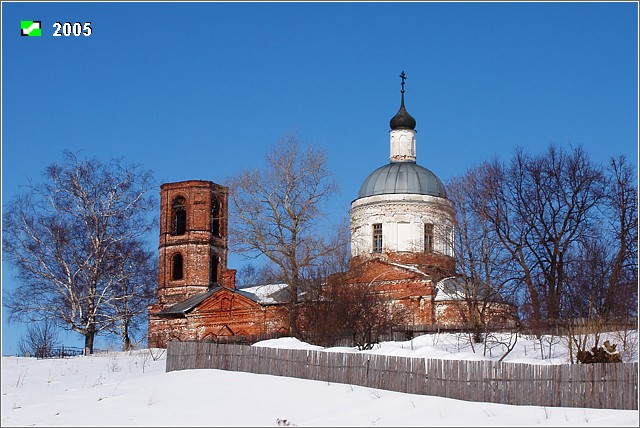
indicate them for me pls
(600, 386)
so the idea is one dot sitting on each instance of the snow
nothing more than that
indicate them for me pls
(409, 267)
(264, 294)
(133, 389)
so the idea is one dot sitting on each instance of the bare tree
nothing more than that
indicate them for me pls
(278, 209)
(539, 207)
(333, 259)
(621, 205)
(604, 288)
(368, 314)
(321, 320)
(40, 340)
(251, 274)
(355, 312)
(605, 272)
(133, 271)
(63, 236)
(248, 274)
(487, 277)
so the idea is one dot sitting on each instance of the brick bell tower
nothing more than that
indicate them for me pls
(192, 254)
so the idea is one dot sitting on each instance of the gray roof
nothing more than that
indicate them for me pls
(402, 177)
(277, 296)
(189, 304)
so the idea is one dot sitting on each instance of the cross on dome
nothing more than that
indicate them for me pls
(402, 119)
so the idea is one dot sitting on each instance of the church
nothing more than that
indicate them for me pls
(402, 245)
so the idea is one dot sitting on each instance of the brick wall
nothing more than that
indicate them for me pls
(226, 313)
(203, 252)
(203, 247)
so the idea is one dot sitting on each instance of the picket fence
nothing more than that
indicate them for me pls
(600, 386)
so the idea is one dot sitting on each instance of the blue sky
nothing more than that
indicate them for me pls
(200, 90)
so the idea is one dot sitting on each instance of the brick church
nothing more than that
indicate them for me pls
(402, 231)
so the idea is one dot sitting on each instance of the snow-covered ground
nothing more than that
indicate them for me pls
(133, 389)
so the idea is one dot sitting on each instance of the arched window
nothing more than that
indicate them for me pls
(213, 269)
(176, 267)
(215, 217)
(179, 216)
(428, 238)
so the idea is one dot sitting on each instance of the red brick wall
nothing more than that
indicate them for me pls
(225, 313)
(415, 291)
(406, 288)
(228, 313)
(229, 278)
(197, 245)
(437, 266)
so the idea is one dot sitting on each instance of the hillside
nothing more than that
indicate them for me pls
(132, 389)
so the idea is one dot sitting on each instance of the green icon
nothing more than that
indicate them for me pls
(31, 28)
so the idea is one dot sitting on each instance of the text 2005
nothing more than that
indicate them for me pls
(68, 28)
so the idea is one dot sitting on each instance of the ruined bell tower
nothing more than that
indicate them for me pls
(192, 254)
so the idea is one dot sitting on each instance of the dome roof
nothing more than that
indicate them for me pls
(402, 119)
(402, 177)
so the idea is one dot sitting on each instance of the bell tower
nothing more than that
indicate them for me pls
(192, 254)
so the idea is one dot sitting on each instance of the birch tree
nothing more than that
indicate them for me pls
(64, 236)
(133, 272)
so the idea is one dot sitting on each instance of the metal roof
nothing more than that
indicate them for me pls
(278, 295)
(402, 177)
(189, 304)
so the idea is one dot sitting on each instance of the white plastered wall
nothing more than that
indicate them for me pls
(403, 217)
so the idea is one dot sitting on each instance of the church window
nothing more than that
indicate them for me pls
(179, 216)
(213, 269)
(377, 238)
(176, 267)
(215, 217)
(428, 238)
(448, 244)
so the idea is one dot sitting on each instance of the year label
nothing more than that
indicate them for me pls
(76, 29)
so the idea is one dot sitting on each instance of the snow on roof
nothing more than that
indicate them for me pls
(450, 289)
(457, 288)
(265, 294)
(412, 268)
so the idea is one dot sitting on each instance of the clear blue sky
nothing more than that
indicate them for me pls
(200, 90)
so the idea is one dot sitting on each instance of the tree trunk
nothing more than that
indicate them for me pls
(88, 342)
(124, 335)
(293, 319)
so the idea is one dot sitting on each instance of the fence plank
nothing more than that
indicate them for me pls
(610, 386)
